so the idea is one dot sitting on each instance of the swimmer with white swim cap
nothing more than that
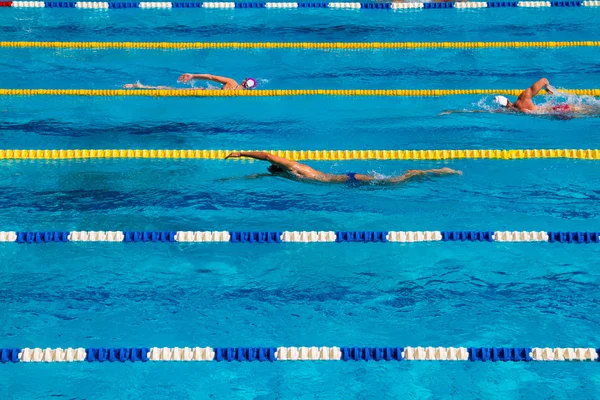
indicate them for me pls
(525, 104)
(228, 83)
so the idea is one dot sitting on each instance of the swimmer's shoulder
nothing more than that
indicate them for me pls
(233, 85)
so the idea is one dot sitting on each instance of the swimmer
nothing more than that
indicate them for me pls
(228, 83)
(524, 103)
(291, 169)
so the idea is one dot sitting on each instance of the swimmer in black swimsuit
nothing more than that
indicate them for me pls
(291, 169)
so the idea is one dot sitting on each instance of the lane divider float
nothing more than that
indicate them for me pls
(304, 155)
(295, 5)
(273, 93)
(271, 354)
(296, 45)
(33, 237)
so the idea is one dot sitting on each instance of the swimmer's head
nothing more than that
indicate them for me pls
(275, 170)
(502, 101)
(249, 83)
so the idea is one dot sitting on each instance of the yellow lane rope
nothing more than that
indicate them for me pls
(333, 155)
(297, 45)
(271, 93)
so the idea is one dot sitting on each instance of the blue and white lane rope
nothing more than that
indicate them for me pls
(300, 236)
(293, 5)
(270, 354)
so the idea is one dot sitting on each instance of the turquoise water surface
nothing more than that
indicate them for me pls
(226, 295)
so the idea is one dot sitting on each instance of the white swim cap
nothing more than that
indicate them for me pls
(503, 101)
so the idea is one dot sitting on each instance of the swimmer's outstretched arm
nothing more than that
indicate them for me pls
(264, 156)
(185, 78)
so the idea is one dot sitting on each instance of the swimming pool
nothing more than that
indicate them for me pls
(293, 294)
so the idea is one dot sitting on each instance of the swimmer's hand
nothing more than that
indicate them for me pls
(185, 78)
(451, 171)
(446, 171)
(235, 154)
(136, 85)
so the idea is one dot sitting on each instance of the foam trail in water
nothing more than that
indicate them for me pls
(486, 103)
(379, 175)
(582, 105)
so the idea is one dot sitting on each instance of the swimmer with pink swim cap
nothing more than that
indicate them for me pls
(228, 83)
(249, 83)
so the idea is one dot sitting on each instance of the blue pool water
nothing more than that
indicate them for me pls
(430, 294)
